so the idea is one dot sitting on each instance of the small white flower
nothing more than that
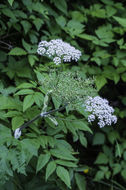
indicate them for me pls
(57, 60)
(58, 49)
(100, 109)
(17, 133)
(91, 118)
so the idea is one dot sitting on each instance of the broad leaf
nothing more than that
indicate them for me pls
(80, 181)
(50, 169)
(28, 102)
(101, 159)
(42, 161)
(17, 51)
(63, 174)
(66, 163)
(17, 121)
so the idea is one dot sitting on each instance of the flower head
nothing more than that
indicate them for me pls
(58, 51)
(100, 109)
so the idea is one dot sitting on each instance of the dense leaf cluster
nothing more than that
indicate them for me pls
(67, 155)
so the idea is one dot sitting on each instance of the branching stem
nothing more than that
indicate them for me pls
(41, 115)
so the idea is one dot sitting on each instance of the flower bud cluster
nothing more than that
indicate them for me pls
(59, 51)
(100, 109)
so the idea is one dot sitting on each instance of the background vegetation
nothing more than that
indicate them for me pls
(90, 161)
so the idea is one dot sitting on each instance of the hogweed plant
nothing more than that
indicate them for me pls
(71, 102)
(70, 89)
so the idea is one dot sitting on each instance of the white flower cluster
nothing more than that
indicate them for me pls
(58, 50)
(100, 109)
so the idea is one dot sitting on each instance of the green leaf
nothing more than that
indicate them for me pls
(32, 59)
(24, 91)
(50, 169)
(80, 125)
(28, 102)
(80, 181)
(101, 159)
(99, 175)
(9, 13)
(66, 163)
(17, 121)
(62, 6)
(12, 113)
(123, 76)
(74, 27)
(83, 139)
(26, 25)
(26, 85)
(17, 51)
(38, 98)
(63, 174)
(123, 173)
(100, 82)
(99, 139)
(86, 37)
(61, 21)
(116, 168)
(38, 22)
(62, 154)
(42, 161)
(121, 21)
(11, 2)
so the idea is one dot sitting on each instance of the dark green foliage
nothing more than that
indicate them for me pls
(54, 157)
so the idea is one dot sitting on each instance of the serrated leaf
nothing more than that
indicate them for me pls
(80, 181)
(28, 102)
(50, 169)
(66, 163)
(17, 121)
(42, 161)
(63, 174)
(17, 51)
(24, 91)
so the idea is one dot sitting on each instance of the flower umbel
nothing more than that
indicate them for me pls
(17, 133)
(100, 109)
(59, 51)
